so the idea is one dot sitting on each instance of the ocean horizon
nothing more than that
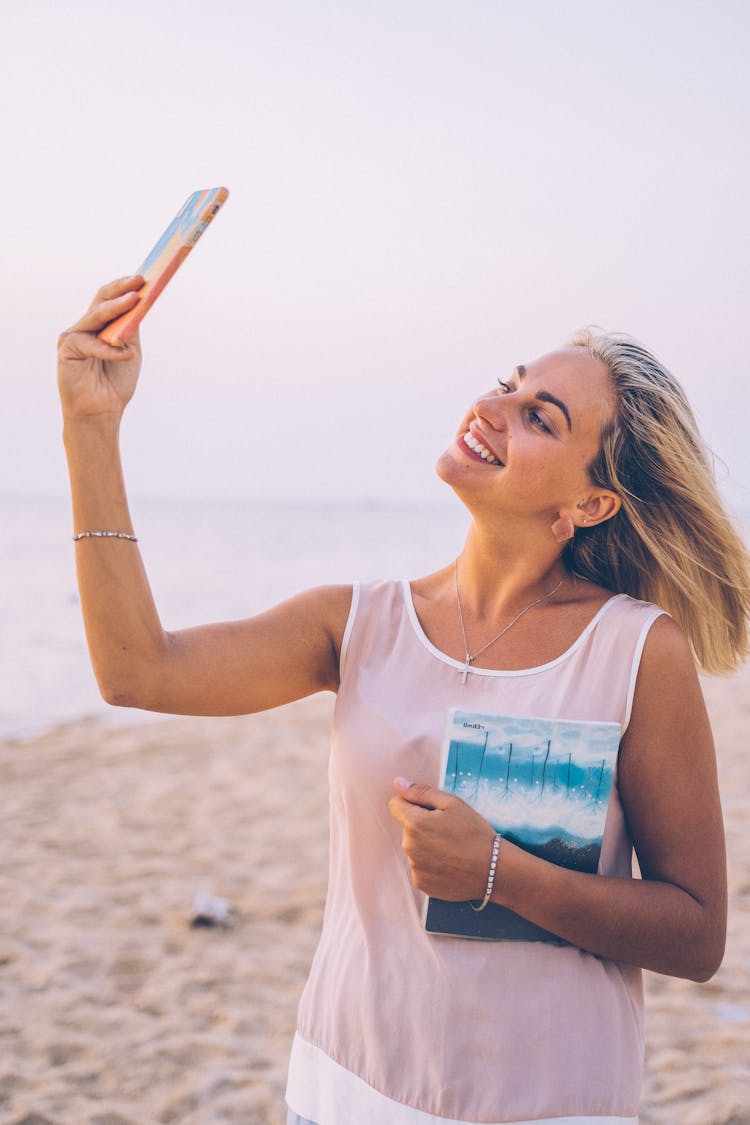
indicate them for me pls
(207, 560)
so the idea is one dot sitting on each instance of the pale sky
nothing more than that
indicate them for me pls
(423, 194)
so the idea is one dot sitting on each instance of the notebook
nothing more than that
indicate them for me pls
(544, 784)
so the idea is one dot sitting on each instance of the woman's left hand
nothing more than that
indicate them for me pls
(447, 843)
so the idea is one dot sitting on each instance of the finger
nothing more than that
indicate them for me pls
(100, 315)
(117, 288)
(398, 807)
(420, 793)
(81, 345)
(406, 814)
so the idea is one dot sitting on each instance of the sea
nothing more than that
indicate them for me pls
(207, 560)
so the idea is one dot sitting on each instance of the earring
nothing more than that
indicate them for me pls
(563, 529)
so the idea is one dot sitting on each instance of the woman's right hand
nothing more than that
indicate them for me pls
(95, 378)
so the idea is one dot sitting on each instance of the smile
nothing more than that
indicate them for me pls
(479, 450)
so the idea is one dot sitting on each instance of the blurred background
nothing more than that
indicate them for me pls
(423, 195)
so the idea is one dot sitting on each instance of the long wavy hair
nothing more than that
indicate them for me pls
(672, 541)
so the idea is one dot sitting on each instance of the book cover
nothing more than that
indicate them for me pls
(542, 783)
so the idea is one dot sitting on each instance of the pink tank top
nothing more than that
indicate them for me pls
(398, 1026)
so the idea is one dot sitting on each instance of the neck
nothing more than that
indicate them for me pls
(499, 574)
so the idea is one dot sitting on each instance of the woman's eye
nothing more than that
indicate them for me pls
(535, 418)
(539, 421)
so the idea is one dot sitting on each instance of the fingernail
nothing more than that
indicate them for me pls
(402, 783)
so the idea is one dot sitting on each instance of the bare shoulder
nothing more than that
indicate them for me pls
(303, 634)
(668, 706)
(327, 607)
(667, 669)
(316, 619)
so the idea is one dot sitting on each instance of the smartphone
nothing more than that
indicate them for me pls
(165, 258)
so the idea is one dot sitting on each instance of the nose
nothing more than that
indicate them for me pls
(491, 409)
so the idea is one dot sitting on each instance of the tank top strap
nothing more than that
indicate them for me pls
(376, 617)
(615, 647)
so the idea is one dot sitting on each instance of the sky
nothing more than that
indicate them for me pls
(422, 195)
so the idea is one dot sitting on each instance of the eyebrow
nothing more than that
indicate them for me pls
(545, 396)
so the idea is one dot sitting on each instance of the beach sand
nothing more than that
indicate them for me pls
(115, 1011)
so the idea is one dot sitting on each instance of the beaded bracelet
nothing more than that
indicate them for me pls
(105, 535)
(491, 875)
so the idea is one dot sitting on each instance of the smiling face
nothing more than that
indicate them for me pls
(524, 448)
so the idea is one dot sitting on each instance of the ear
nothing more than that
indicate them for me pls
(597, 508)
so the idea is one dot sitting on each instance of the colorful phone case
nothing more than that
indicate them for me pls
(165, 259)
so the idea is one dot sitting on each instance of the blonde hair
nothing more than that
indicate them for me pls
(672, 542)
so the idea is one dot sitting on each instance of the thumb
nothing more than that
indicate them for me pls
(420, 793)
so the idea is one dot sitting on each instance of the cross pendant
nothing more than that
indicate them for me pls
(466, 669)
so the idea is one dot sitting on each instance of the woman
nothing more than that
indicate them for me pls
(591, 498)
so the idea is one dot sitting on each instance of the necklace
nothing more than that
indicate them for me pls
(471, 657)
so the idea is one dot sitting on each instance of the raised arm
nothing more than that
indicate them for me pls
(222, 669)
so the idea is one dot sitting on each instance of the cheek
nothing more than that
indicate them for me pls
(555, 471)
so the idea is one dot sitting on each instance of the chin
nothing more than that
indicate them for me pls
(447, 468)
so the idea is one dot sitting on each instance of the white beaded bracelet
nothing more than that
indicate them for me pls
(105, 535)
(491, 875)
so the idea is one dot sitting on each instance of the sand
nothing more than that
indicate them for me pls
(115, 1011)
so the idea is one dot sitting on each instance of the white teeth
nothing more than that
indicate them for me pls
(477, 447)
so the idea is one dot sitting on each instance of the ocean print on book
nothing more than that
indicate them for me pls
(542, 783)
